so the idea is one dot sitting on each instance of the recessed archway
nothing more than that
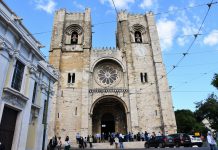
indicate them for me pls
(109, 115)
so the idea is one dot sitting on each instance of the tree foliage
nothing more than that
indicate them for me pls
(187, 123)
(215, 81)
(208, 110)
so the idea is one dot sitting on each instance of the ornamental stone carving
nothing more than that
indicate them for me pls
(2, 45)
(107, 74)
(14, 100)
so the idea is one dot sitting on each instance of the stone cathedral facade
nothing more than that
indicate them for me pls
(122, 89)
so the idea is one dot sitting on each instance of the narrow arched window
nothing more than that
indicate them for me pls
(74, 38)
(138, 37)
(76, 111)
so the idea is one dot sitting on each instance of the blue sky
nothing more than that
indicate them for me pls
(190, 81)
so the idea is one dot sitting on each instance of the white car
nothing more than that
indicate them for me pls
(196, 140)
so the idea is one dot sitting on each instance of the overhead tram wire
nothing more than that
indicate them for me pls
(167, 54)
(39, 33)
(119, 23)
(160, 13)
(193, 53)
(192, 43)
(191, 80)
(195, 37)
(199, 5)
(194, 78)
(185, 8)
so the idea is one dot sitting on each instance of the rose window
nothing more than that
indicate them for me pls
(107, 75)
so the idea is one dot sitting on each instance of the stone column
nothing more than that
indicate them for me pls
(26, 114)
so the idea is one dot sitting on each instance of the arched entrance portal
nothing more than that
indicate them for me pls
(109, 116)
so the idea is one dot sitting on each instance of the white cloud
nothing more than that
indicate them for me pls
(189, 26)
(120, 4)
(191, 3)
(79, 6)
(172, 8)
(46, 5)
(167, 30)
(212, 38)
(181, 41)
(151, 5)
(146, 4)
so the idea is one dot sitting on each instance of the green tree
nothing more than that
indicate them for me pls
(215, 81)
(208, 110)
(187, 123)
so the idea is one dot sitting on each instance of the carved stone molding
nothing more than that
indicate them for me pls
(14, 97)
(43, 86)
(108, 90)
(107, 74)
(33, 70)
(2, 45)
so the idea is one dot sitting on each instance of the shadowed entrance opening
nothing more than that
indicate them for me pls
(107, 124)
(109, 117)
(7, 127)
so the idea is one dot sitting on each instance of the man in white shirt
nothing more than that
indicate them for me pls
(211, 141)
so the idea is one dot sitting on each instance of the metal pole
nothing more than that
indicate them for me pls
(45, 116)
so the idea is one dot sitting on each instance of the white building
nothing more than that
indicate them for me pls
(26, 82)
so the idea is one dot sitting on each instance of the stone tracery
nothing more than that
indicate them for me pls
(107, 74)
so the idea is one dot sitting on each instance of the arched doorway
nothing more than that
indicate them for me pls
(109, 116)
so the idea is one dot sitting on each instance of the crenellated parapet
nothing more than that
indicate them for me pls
(104, 49)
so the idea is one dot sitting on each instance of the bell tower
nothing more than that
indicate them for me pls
(138, 40)
(69, 53)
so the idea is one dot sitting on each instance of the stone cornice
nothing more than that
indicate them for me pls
(36, 106)
(21, 30)
(16, 93)
(49, 69)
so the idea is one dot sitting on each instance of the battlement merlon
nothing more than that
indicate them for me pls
(86, 15)
(104, 49)
(124, 16)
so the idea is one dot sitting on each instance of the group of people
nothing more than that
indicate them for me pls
(83, 142)
(117, 138)
(56, 143)
(129, 137)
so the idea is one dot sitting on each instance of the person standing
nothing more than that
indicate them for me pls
(90, 140)
(121, 139)
(85, 142)
(59, 143)
(211, 141)
(116, 142)
(146, 136)
(67, 143)
(81, 143)
(77, 138)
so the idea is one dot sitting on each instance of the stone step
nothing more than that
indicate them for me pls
(127, 145)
